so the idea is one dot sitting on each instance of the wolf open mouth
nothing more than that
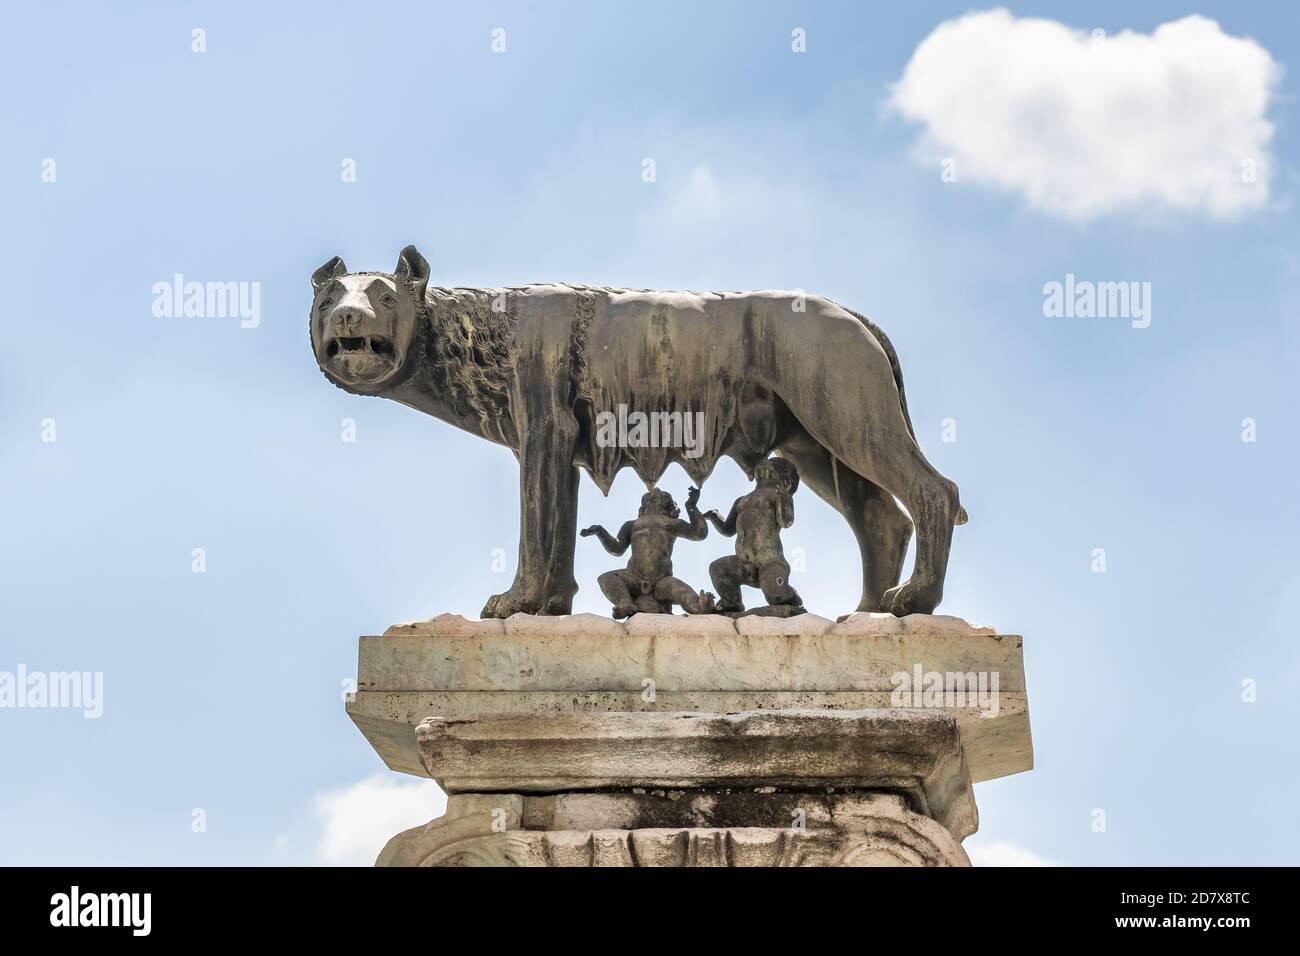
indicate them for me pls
(375, 344)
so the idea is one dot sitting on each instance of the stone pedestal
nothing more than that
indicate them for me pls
(694, 741)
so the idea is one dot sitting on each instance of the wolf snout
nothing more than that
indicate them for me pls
(346, 321)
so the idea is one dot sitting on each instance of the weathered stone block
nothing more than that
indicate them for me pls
(916, 754)
(665, 663)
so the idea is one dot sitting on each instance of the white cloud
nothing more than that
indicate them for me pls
(1003, 853)
(1085, 127)
(356, 821)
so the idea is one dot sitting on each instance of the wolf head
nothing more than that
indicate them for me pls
(365, 326)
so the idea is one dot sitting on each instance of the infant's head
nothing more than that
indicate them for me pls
(778, 471)
(656, 502)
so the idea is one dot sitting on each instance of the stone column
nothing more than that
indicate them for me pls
(695, 741)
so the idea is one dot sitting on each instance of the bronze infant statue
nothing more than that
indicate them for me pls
(756, 519)
(647, 583)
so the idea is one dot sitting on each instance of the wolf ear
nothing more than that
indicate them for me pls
(413, 268)
(329, 270)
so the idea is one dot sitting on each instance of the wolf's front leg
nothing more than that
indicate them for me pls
(548, 512)
(561, 518)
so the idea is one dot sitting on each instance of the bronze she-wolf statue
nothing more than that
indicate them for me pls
(534, 367)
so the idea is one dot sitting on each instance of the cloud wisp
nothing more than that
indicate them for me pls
(1084, 125)
(357, 820)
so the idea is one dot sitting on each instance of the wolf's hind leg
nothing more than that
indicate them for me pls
(882, 529)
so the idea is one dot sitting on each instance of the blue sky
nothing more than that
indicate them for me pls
(773, 169)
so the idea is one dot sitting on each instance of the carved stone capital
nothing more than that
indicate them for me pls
(874, 829)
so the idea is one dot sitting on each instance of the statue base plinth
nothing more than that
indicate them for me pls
(694, 740)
